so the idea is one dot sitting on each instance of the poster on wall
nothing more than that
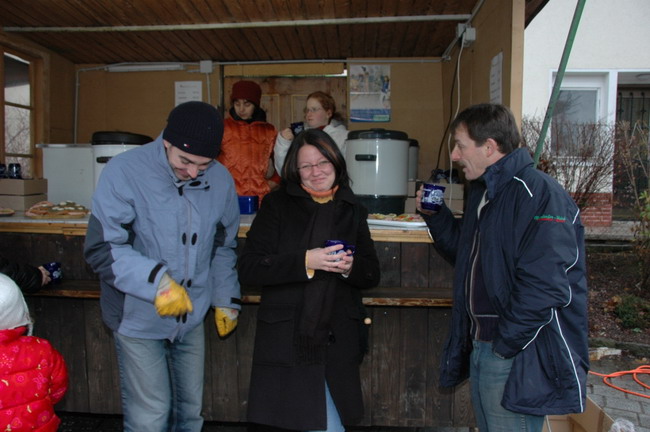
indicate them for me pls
(186, 91)
(370, 93)
(496, 74)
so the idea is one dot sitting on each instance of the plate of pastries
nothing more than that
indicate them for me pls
(62, 210)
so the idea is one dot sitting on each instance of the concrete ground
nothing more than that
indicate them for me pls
(616, 403)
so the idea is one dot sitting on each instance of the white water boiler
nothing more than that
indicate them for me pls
(378, 163)
(108, 144)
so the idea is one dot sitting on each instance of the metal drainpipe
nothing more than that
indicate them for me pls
(555, 94)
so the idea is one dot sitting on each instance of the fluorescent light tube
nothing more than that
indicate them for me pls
(145, 67)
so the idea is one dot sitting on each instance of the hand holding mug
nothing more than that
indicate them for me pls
(430, 198)
(45, 276)
(331, 258)
(287, 134)
(54, 271)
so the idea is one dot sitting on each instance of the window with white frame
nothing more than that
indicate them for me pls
(581, 119)
(575, 110)
(18, 108)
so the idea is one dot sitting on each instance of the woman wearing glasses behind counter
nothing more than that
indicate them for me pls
(320, 113)
(311, 334)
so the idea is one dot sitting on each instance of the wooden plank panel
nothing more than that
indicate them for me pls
(385, 373)
(210, 370)
(67, 336)
(36, 249)
(441, 273)
(413, 255)
(294, 47)
(245, 342)
(389, 255)
(366, 371)
(373, 33)
(18, 247)
(223, 363)
(439, 399)
(413, 373)
(462, 413)
(278, 45)
(227, 46)
(101, 361)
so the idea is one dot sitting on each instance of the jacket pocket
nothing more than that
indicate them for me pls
(540, 381)
(275, 335)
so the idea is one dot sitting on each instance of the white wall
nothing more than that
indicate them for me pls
(613, 37)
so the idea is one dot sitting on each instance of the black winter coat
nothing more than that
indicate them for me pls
(284, 392)
(28, 278)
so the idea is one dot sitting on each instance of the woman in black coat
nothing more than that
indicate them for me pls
(311, 334)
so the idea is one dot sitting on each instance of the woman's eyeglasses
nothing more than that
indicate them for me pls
(312, 110)
(322, 165)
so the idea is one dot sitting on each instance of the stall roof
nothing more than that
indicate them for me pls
(103, 31)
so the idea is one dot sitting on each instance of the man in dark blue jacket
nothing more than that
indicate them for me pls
(519, 320)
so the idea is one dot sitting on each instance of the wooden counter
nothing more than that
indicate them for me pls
(409, 311)
(77, 227)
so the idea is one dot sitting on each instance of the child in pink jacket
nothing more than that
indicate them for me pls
(33, 375)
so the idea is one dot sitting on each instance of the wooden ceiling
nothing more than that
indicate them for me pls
(115, 31)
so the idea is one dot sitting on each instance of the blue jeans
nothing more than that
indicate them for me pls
(333, 420)
(161, 382)
(488, 374)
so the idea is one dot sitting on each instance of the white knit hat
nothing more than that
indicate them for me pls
(13, 309)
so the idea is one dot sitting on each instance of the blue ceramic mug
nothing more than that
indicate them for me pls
(248, 204)
(55, 271)
(346, 247)
(432, 197)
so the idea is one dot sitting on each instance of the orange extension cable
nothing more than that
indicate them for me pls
(641, 370)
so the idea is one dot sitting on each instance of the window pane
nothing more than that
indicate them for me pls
(577, 106)
(17, 130)
(574, 110)
(17, 89)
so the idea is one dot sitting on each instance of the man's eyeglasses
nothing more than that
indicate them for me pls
(312, 110)
(322, 165)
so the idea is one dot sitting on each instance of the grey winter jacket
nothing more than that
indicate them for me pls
(145, 222)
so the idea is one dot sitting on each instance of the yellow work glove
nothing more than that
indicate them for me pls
(226, 320)
(171, 298)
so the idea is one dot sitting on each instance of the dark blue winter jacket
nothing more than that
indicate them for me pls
(533, 260)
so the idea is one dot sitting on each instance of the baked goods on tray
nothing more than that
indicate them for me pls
(5, 211)
(404, 217)
(63, 210)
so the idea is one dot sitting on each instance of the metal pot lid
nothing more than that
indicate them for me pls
(117, 137)
(378, 133)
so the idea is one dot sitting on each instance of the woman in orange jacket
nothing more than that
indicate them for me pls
(248, 140)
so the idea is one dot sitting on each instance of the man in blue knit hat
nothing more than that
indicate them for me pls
(162, 238)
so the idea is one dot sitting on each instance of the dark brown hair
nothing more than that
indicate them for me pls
(326, 146)
(494, 121)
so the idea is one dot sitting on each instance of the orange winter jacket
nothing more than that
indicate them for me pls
(245, 150)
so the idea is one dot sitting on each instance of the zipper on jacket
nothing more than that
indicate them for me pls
(469, 281)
